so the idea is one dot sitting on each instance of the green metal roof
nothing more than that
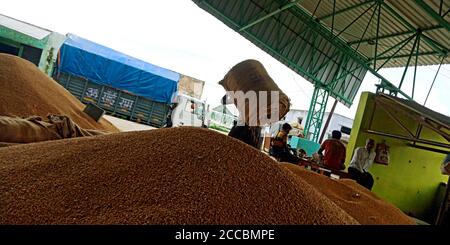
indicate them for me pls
(333, 43)
(398, 21)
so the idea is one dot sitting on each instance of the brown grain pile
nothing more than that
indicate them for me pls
(356, 200)
(26, 91)
(165, 176)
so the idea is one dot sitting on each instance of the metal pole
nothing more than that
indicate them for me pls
(434, 80)
(270, 15)
(415, 65)
(409, 59)
(376, 40)
(344, 10)
(332, 18)
(429, 142)
(325, 127)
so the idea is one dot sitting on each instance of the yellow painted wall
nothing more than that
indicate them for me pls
(411, 179)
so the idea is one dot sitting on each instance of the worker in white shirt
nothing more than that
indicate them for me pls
(361, 162)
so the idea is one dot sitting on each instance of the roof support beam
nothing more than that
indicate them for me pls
(332, 19)
(401, 44)
(433, 14)
(399, 17)
(378, 31)
(412, 28)
(395, 136)
(429, 124)
(316, 8)
(344, 10)
(324, 63)
(437, 72)
(407, 55)
(409, 59)
(367, 27)
(287, 6)
(385, 107)
(437, 46)
(345, 73)
(448, 11)
(394, 35)
(386, 84)
(415, 65)
(357, 18)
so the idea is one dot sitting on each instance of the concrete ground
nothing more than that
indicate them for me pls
(125, 125)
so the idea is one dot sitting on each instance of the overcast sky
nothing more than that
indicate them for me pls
(178, 35)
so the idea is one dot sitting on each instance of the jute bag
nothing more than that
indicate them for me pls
(250, 75)
(19, 130)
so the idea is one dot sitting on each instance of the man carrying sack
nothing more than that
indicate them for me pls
(259, 100)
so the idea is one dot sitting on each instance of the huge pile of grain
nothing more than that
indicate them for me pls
(359, 202)
(164, 176)
(26, 91)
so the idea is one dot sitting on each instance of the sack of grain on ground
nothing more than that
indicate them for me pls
(19, 130)
(35, 129)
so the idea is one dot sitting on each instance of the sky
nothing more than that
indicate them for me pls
(180, 36)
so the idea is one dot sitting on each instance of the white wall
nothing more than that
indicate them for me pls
(337, 121)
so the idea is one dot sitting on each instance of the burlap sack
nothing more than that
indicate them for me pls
(67, 128)
(19, 130)
(34, 129)
(250, 75)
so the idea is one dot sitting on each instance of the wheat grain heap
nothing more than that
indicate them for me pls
(26, 91)
(356, 200)
(164, 176)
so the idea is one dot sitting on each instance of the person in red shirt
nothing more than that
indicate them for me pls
(334, 156)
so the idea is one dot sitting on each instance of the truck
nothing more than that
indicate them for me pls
(189, 111)
(126, 87)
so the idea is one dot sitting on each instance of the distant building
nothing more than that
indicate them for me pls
(337, 122)
(222, 116)
(35, 44)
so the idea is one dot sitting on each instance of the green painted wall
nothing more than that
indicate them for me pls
(49, 45)
(18, 37)
(411, 179)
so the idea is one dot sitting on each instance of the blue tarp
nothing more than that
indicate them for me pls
(106, 66)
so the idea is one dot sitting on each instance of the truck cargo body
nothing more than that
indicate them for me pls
(122, 85)
(115, 102)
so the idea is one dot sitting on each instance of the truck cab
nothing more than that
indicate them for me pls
(189, 111)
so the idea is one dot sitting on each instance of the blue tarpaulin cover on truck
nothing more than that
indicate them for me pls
(106, 66)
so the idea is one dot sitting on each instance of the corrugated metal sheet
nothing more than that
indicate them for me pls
(23, 27)
(321, 49)
(409, 10)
